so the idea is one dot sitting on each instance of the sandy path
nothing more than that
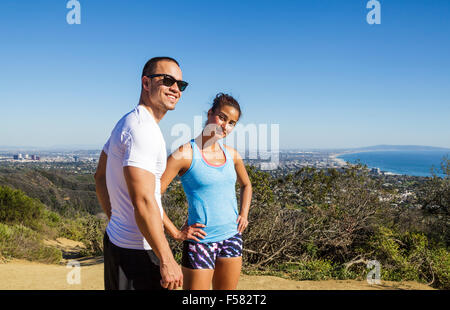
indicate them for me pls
(25, 275)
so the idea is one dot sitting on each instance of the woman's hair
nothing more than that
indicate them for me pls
(224, 99)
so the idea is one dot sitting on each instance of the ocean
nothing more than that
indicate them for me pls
(415, 163)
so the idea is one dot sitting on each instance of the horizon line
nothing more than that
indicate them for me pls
(80, 147)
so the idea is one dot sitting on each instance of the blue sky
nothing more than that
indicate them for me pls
(316, 68)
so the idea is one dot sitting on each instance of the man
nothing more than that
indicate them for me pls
(136, 251)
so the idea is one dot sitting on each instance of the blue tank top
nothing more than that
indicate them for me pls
(211, 194)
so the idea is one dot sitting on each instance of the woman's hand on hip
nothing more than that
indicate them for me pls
(192, 232)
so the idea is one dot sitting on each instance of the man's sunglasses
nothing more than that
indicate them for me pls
(169, 80)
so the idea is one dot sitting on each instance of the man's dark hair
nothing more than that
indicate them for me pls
(150, 66)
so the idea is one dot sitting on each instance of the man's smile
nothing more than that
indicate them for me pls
(172, 98)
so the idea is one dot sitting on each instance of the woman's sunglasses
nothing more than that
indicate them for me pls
(169, 80)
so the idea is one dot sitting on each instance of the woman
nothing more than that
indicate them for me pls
(212, 247)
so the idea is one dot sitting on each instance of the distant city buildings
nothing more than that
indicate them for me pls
(80, 162)
(26, 157)
(375, 171)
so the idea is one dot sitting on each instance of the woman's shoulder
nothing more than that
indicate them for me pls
(233, 152)
(186, 146)
(181, 158)
(185, 151)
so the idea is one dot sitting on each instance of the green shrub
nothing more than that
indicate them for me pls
(18, 241)
(440, 262)
(93, 232)
(409, 256)
(71, 229)
(16, 207)
(86, 229)
(316, 269)
(52, 219)
(27, 222)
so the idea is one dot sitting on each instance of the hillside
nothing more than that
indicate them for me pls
(30, 230)
(60, 190)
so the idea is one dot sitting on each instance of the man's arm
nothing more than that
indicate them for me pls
(100, 185)
(141, 187)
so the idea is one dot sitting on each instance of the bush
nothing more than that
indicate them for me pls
(71, 229)
(175, 206)
(87, 229)
(27, 222)
(18, 241)
(440, 262)
(345, 214)
(309, 270)
(411, 256)
(344, 217)
(92, 238)
(16, 207)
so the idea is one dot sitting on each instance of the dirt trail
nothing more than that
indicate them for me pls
(69, 248)
(25, 275)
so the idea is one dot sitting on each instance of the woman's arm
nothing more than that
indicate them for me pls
(177, 162)
(246, 189)
(187, 232)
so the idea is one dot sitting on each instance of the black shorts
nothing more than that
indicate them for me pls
(128, 269)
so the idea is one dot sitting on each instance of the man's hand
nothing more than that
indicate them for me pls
(171, 274)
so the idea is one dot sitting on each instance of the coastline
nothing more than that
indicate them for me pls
(342, 163)
(381, 170)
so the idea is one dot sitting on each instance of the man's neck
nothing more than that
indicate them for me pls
(156, 113)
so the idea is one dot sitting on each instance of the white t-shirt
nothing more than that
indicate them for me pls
(135, 141)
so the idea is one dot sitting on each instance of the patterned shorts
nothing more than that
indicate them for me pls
(203, 255)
